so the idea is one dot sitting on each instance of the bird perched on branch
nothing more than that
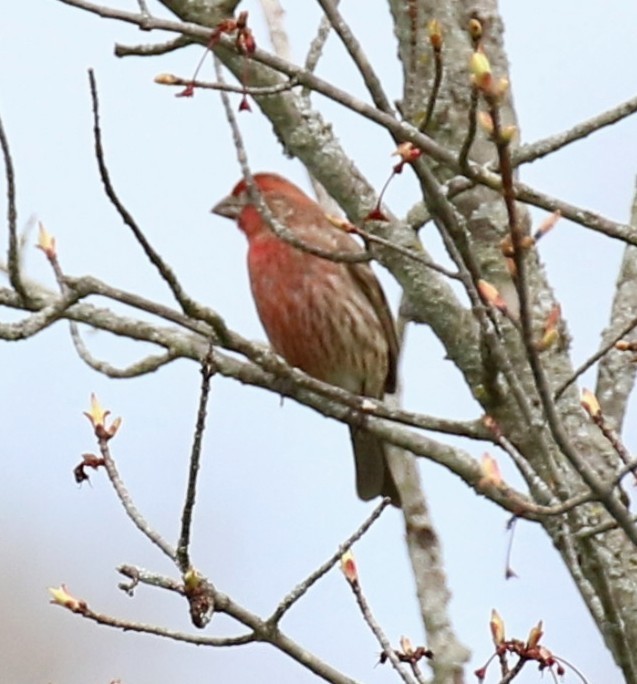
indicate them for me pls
(328, 318)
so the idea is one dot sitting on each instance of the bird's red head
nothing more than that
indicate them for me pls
(266, 183)
(278, 193)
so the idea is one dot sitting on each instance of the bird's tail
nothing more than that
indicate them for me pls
(373, 476)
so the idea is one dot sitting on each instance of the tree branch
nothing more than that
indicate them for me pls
(13, 258)
(152, 50)
(302, 588)
(616, 372)
(183, 554)
(356, 52)
(541, 148)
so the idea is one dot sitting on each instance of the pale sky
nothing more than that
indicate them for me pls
(277, 491)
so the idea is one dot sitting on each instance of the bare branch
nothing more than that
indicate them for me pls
(373, 83)
(40, 320)
(302, 588)
(541, 148)
(436, 48)
(149, 364)
(274, 14)
(316, 48)
(472, 128)
(13, 257)
(146, 365)
(601, 420)
(171, 80)
(207, 371)
(616, 373)
(145, 628)
(410, 254)
(594, 530)
(541, 492)
(592, 360)
(453, 231)
(427, 559)
(85, 286)
(583, 217)
(164, 270)
(279, 640)
(131, 510)
(377, 631)
(152, 50)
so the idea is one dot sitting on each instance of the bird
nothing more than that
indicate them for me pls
(329, 318)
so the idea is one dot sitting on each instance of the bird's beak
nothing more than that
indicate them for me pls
(229, 207)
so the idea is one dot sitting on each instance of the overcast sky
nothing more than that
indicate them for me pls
(277, 493)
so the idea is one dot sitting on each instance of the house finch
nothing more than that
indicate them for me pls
(330, 319)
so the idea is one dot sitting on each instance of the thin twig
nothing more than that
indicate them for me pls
(164, 270)
(260, 630)
(591, 361)
(541, 148)
(463, 155)
(615, 441)
(533, 480)
(377, 631)
(152, 50)
(323, 569)
(171, 80)
(173, 635)
(509, 572)
(207, 371)
(584, 217)
(315, 50)
(13, 257)
(274, 15)
(144, 366)
(435, 88)
(149, 364)
(131, 510)
(372, 82)
(139, 575)
(409, 253)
